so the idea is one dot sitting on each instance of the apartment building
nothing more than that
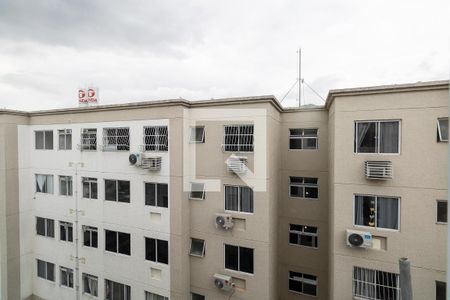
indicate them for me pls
(236, 198)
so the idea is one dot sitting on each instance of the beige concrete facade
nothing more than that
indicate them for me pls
(420, 179)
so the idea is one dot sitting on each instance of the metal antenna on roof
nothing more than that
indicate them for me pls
(299, 79)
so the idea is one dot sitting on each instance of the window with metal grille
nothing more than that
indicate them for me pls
(116, 139)
(239, 258)
(90, 284)
(153, 296)
(442, 130)
(66, 276)
(90, 188)
(45, 270)
(156, 138)
(118, 242)
(45, 227)
(302, 283)
(238, 138)
(239, 198)
(65, 185)
(90, 236)
(374, 285)
(157, 194)
(377, 211)
(43, 140)
(88, 139)
(197, 247)
(65, 231)
(117, 291)
(300, 138)
(117, 190)
(44, 183)
(377, 137)
(157, 250)
(303, 235)
(304, 187)
(65, 139)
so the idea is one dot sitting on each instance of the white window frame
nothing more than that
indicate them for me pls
(358, 281)
(91, 230)
(156, 194)
(117, 190)
(44, 140)
(48, 178)
(302, 137)
(195, 190)
(68, 273)
(117, 242)
(304, 233)
(239, 259)
(156, 261)
(160, 131)
(203, 248)
(153, 296)
(114, 147)
(88, 139)
(90, 278)
(440, 138)
(46, 227)
(304, 185)
(68, 182)
(437, 211)
(238, 136)
(90, 181)
(64, 134)
(193, 136)
(304, 280)
(46, 263)
(376, 199)
(66, 226)
(125, 288)
(240, 187)
(377, 147)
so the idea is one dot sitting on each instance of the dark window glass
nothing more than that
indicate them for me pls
(246, 259)
(110, 241)
(150, 249)
(50, 271)
(124, 243)
(365, 211)
(231, 257)
(48, 139)
(366, 141)
(50, 228)
(41, 269)
(40, 226)
(110, 190)
(295, 144)
(124, 191)
(39, 140)
(441, 290)
(163, 251)
(442, 211)
(197, 297)
(150, 194)
(163, 195)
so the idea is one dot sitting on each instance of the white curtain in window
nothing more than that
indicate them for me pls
(387, 213)
(40, 181)
(389, 137)
(359, 210)
(362, 129)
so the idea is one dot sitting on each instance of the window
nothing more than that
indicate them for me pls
(90, 236)
(156, 194)
(239, 258)
(374, 284)
(238, 138)
(157, 250)
(197, 247)
(303, 235)
(90, 188)
(90, 284)
(197, 134)
(44, 183)
(117, 291)
(118, 242)
(156, 138)
(43, 140)
(303, 283)
(65, 231)
(442, 211)
(377, 211)
(65, 139)
(66, 276)
(116, 139)
(239, 198)
(442, 130)
(441, 290)
(377, 137)
(153, 296)
(195, 296)
(197, 191)
(303, 138)
(117, 190)
(45, 270)
(65, 185)
(45, 227)
(88, 139)
(304, 187)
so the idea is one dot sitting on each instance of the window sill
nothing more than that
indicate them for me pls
(299, 293)
(441, 223)
(197, 199)
(243, 213)
(302, 246)
(303, 198)
(117, 254)
(376, 228)
(295, 150)
(156, 264)
(240, 273)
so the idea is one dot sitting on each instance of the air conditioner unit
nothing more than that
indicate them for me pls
(151, 163)
(108, 147)
(237, 164)
(378, 170)
(224, 221)
(135, 159)
(361, 239)
(223, 282)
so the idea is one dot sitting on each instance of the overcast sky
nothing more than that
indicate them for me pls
(160, 49)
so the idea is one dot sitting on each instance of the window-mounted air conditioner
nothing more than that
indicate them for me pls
(224, 221)
(378, 170)
(237, 164)
(151, 163)
(223, 282)
(359, 239)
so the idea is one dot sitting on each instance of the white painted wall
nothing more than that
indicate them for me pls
(133, 217)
